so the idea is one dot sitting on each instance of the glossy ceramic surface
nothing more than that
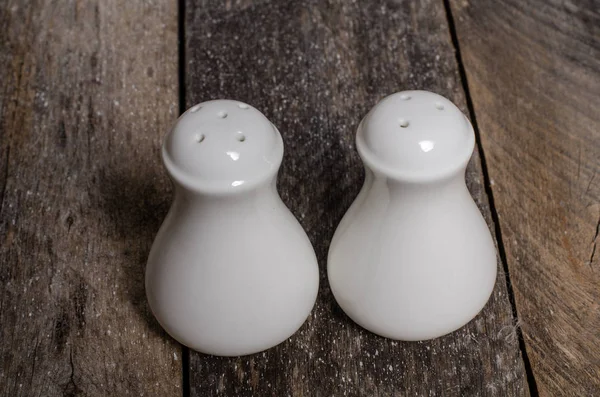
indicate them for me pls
(413, 258)
(231, 271)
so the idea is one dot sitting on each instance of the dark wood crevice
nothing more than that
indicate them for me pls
(490, 195)
(181, 70)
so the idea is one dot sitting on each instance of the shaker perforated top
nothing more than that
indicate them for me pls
(415, 135)
(221, 145)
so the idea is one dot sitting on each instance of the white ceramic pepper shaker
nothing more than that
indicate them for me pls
(413, 258)
(231, 271)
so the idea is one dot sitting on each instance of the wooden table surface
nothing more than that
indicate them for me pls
(88, 88)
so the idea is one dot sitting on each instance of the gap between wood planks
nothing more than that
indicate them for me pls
(533, 390)
(185, 351)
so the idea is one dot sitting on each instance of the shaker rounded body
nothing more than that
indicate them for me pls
(231, 276)
(412, 262)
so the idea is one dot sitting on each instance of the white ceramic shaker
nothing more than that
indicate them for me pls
(231, 271)
(413, 258)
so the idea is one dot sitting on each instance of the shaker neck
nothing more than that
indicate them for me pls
(445, 181)
(239, 192)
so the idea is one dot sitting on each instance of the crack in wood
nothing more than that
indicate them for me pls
(531, 381)
(71, 389)
(4, 179)
(594, 241)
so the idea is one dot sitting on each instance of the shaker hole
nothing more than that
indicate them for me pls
(199, 138)
(241, 137)
(222, 114)
(403, 123)
(439, 106)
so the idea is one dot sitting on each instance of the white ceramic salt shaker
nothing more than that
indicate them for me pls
(231, 271)
(413, 258)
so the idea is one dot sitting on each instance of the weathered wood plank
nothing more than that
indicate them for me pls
(87, 91)
(315, 68)
(534, 74)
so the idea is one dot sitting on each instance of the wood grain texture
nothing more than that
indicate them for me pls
(315, 68)
(88, 89)
(534, 74)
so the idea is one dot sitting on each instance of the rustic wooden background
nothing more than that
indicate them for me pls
(88, 88)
